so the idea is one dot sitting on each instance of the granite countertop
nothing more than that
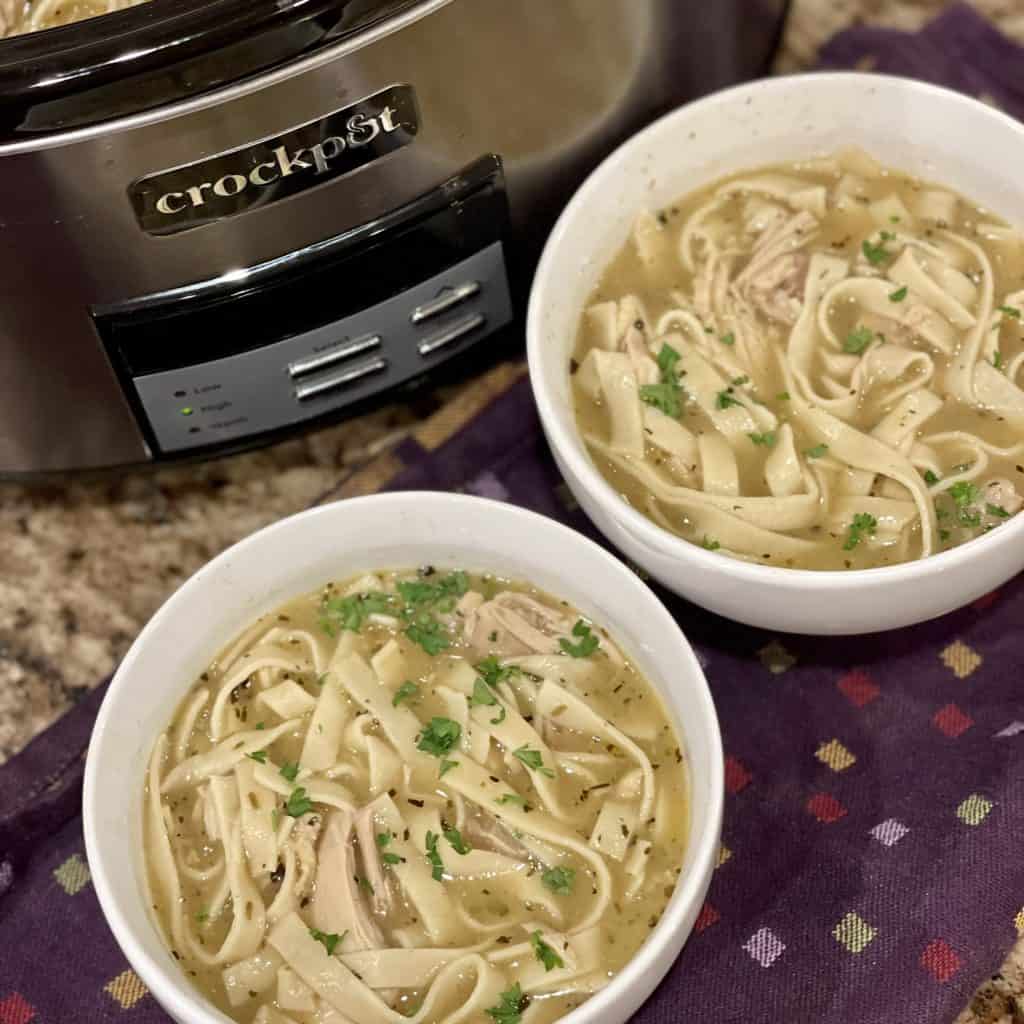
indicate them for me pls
(83, 565)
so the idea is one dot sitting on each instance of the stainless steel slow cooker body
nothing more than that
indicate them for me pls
(186, 185)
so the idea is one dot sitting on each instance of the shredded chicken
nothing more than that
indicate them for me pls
(1001, 493)
(777, 289)
(366, 833)
(645, 368)
(485, 832)
(511, 624)
(337, 904)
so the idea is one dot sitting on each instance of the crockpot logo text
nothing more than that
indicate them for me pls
(360, 131)
(264, 172)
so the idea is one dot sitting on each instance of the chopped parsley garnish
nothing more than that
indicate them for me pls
(203, 916)
(407, 691)
(965, 496)
(944, 535)
(512, 798)
(998, 511)
(930, 478)
(422, 601)
(349, 613)
(997, 359)
(289, 770)
(443, 594)
(1010, 311)
(322, 678)
(783, 396)
(766, 440)
(439, 736)
(666, 395)
(876, 255)
(728, 338)
(737, 382)
(533, 759)
(383, 839)
(298, 803)
(817, 452)
(559, 880)
(482, 695)
(364, 883)
(493, 672)
(328, 941)
(857, 340)
(392, 858)
(261, 725)
(899, 295)
(260, 756)
(863, 525)
(545, 953)
(446, 766)
(723, 400)
(587, 644)
(710, 544)
(434, 857)
(455, 840)
(429, 634)
(510, 1006)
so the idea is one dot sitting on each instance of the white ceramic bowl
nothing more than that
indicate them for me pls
(924, 130)
(385, 531)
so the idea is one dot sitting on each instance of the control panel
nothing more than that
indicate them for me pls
(319, 370)
(272, 346)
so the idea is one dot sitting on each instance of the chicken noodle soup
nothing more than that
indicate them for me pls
(812, 366)
(428, 796)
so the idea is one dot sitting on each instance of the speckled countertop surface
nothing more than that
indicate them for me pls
(83, 565)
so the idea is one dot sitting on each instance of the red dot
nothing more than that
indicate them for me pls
(15, 1010)
(736, 775)
(825, 808)
(706, 918)
(939, 960)
(952, 721)
(858, 688)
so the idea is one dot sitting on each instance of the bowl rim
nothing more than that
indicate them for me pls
(176, 993)
(569, 446)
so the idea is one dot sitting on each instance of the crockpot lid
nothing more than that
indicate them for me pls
(160, 52)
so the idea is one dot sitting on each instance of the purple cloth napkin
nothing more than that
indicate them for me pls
(870, 869)
(958, 49)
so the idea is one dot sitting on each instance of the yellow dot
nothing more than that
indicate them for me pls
(73, 875)
(126, 989)
(854, 932)
(835, 755)
(974, 810)
(960, 659)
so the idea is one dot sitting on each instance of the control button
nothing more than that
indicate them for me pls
(449, 297)
(322, 360)
(324, 384)
(452, 334)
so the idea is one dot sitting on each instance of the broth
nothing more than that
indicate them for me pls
(812, 366)
(403, 796)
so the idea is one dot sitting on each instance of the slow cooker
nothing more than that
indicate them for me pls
(226, 219)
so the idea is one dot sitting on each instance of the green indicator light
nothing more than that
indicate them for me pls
(187, 410)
